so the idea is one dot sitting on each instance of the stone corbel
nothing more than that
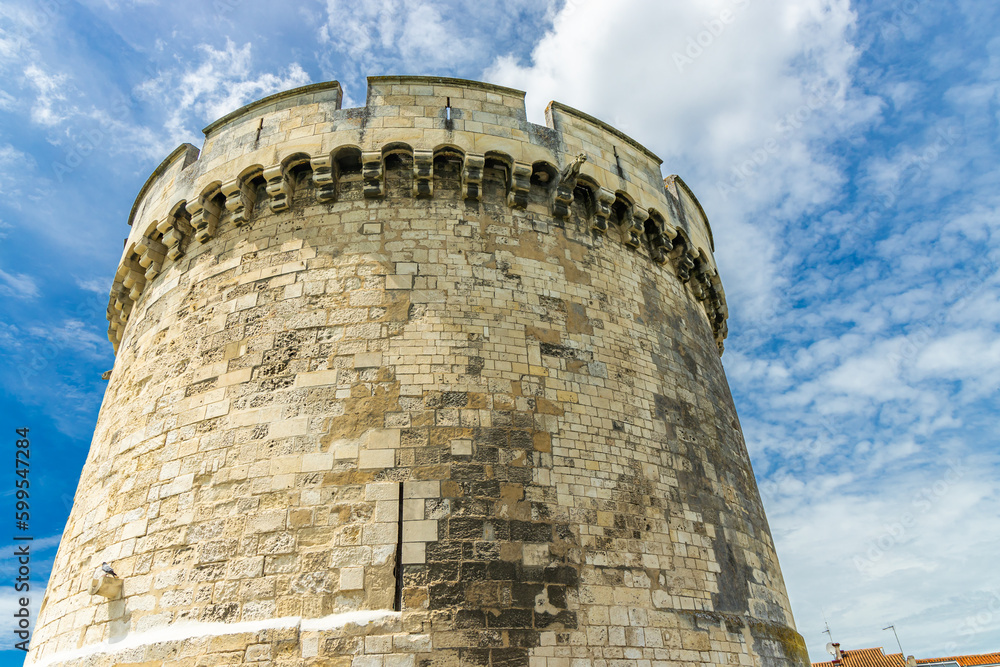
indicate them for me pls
(121, 301)
(520, 185)
(133, 278)
(151, 256)
(662, 243)
(562, 197)
(240, 200)
(636, 226)
(279, 190)
(603, 200)
(472, 175)
(684, 263)
(204, 218)
(703, 280)
(373, 174)
(324, 178)
(423, 173)
(172, 235)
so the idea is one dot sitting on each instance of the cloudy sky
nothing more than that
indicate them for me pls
(847, 155)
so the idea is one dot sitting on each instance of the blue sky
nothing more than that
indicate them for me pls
(847, 155)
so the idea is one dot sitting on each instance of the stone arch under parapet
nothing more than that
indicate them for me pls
(448, 161)
(347, 167)
(397, 165)
(497, 169)
(544, 177)
(256, 186)
(449, 149)
(657, 236)
(297, 168)
(347, 159)
(152, 231)
(585, 197)
(212, 195)
(621, 209)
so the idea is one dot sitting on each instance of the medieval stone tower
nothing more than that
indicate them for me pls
(417, 384)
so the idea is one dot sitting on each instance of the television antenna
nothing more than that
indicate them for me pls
(830, 646)
(893, 628)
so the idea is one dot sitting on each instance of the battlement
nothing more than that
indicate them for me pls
(253, 157)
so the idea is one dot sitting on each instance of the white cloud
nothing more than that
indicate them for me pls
(17, 285)
(449, 37)
(747, 122)
(49, 96)
(99, 286)
(415, 31)
(222, 81)
(73, 335)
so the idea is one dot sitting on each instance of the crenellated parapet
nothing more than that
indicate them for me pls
(254, 157)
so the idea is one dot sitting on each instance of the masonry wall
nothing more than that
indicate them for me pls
(416, 414)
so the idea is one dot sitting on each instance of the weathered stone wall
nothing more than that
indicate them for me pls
(398, 389)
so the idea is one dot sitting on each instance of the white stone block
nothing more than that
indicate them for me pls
(414, 552)
(420, 531)
(352, 578)
(399, 282)
(368, 360)
(382, 491)
(377, 458)
(316, 378)
(317, 461)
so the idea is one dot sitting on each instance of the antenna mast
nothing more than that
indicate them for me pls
(893, 628)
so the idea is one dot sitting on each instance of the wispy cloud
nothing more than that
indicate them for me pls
(73, 335)
(452, 37)
(98, 286)
(220, 81)
(48, 94)
(749, 124)
(17, 285)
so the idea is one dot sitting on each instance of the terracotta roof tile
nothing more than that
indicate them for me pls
(875, 657)
(965, 660)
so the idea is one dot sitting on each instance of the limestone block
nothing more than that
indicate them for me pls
(420, 531)
(377, 458)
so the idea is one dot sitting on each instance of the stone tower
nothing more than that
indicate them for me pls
(417, 384)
